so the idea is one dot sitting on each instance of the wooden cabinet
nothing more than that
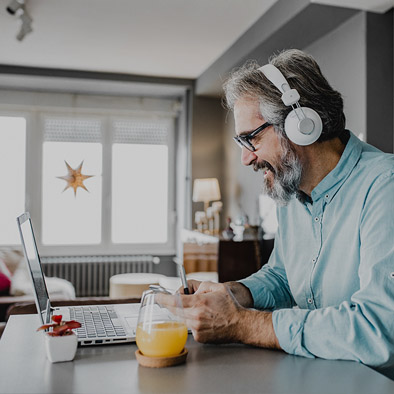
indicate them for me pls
(200, 252)
(237, 260)
(232, 260)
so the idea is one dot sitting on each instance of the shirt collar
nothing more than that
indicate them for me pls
(332, 182)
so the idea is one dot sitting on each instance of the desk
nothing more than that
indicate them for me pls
(209, 369)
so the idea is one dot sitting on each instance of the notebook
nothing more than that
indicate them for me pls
(101, 324)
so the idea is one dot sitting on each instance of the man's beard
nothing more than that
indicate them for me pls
(286, 176)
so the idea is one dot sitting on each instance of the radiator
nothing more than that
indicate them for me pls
(90, 274)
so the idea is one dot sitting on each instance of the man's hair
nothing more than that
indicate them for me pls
(302, 73)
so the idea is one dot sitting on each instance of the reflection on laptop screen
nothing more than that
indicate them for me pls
(32, 257)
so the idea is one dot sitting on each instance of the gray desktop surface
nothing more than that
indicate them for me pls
(209, 369)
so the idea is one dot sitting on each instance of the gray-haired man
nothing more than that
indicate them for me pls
(334, 250)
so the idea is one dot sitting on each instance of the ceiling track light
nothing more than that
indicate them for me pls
(14, 6)
(18, 8)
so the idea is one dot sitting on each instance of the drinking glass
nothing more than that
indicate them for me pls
(160, 333)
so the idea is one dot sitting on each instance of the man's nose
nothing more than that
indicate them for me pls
(247, 157)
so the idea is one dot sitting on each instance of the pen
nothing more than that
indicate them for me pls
(182, 274)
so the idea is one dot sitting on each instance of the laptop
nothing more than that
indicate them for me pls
(100, 324)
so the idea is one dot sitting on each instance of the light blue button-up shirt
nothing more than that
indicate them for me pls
(334, 259)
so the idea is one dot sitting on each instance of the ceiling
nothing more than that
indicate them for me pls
(152, 38)
(167, 38)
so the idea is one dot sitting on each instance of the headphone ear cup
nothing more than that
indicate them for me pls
(312, 126)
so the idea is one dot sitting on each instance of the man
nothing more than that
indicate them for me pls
(328, 288)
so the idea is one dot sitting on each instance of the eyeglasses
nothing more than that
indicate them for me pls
(244, 140)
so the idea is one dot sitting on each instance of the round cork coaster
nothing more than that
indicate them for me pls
(161, 362)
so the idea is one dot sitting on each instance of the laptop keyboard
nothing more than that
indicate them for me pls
(97, 321)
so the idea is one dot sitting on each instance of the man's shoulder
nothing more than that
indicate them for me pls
(375, 163)
(374, 171)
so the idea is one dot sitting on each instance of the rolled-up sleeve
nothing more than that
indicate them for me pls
(269, 286)
(361, 329)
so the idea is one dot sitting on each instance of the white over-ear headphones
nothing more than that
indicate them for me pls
(303, 125)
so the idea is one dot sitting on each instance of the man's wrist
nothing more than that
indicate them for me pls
(255, 327)
(241, 329)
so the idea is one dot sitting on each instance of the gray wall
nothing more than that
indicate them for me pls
(243, 185)
(345, 69)
(379, 60)
(207, 143)
(342, 57)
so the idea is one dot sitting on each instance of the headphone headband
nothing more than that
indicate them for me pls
(290, 96)
(303, 125)
(275, 76)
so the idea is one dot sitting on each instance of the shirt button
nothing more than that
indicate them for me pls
(317, 219)
(392, 275)
(310, 301)
(314, 260)
(327, 196)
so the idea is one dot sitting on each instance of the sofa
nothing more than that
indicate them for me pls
(16, 285)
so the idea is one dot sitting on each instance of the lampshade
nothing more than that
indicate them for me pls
(206, 189)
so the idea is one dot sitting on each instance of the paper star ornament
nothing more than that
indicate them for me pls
(75, 178)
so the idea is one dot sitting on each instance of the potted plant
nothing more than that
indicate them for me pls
(60, 341)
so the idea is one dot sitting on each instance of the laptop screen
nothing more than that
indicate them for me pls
(34, 264)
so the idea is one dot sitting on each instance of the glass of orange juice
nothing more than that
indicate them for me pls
(160, 333)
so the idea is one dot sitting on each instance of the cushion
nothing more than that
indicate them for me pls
(14, 267)
(4, 269)
(21, 282)
(60, 289)
(12, 258)
(57, 288)
(5, 278)
(5, 284)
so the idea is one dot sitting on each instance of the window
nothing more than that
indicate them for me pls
(128, 148)
(126, 200)
(140, 181)
(12, 175)
(71, 217)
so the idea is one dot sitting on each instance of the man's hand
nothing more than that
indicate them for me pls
(192, 285)
(215, 316)
(238, 290)
(212, 313)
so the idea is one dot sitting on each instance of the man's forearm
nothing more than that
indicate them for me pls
(255, 328)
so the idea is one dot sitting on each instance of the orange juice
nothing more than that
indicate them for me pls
(161, 339)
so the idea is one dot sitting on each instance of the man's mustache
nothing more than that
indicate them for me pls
(263, 165)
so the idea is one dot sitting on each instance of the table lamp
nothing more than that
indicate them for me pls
(206, 190)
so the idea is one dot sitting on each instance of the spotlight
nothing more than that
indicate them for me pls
(26, 26)
(14, 6)
(18, 8)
